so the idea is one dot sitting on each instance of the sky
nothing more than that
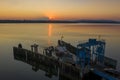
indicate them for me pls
(60, 9)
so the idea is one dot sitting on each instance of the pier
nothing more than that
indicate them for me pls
(90, 58)
(92, 53)
(52, 66)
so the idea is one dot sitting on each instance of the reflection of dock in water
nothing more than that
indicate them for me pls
(37, 61)
(48, 64)
(68, 72)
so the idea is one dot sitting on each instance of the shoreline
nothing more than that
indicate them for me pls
(60, 21)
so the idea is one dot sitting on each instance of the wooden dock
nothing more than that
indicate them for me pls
(50, 65)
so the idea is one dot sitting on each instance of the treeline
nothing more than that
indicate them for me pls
(59, 21)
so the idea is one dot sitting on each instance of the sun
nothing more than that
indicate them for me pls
(51, 17)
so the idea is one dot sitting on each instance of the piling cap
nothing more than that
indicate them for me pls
(35, 45)
(19, 45)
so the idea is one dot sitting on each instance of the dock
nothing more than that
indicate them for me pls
(90, 58)
(94, 48)
(50, 65)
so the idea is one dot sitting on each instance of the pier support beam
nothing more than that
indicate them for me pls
(34, 48)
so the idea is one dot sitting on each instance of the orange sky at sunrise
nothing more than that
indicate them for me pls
(60, 9)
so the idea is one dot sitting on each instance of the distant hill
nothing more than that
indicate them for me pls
(59, 21)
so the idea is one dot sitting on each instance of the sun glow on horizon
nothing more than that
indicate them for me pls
(60, 9)
(51, 18)
(50, 15)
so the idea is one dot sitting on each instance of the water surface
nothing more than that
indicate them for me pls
(45, 35)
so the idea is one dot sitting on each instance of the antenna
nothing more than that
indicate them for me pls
(62, 37)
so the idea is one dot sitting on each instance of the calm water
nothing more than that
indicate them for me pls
(45, 35)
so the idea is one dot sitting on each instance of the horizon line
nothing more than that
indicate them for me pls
(60, 21)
